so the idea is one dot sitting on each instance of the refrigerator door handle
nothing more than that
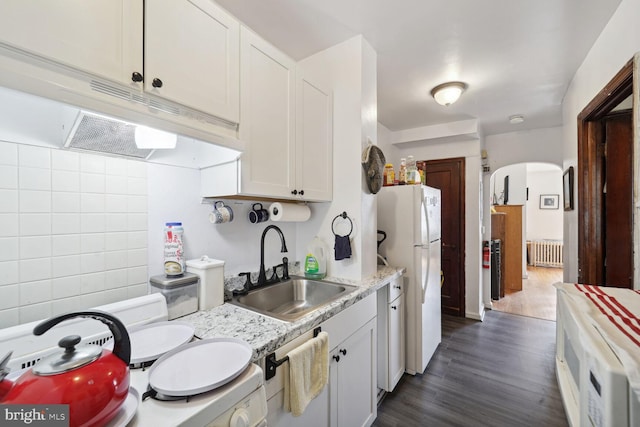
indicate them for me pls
(426, 265)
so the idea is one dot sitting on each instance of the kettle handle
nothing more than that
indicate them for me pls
(121, 342)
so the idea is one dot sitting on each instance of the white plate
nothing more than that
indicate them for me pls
(127, 410)
(199, 366)
(148, 342)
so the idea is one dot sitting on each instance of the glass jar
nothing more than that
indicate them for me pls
(412, 171)
(389, 175)
(402, 173)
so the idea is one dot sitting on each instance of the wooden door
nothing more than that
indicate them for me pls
(617, 200)
(448, 176)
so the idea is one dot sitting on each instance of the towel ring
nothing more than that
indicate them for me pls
(344, 216)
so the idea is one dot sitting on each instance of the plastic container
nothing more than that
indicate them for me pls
(181, 293)
(389, 175)
(412, 171)
(315, 263)
(211, 274)
(174, 262)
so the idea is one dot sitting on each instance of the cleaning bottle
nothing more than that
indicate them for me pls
(315, 264)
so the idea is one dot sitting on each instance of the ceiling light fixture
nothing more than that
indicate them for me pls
(448, 93)
(150, 138)
(515, 119)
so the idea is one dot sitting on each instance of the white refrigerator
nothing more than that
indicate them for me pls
(410, 215)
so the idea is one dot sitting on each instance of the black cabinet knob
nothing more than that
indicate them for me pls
(302, 192)
(343, 351)
(136, 77)
(294, 192)
(394, 307)
(156, 83)
(336, 358)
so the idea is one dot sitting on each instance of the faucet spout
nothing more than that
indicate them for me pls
(262, 275)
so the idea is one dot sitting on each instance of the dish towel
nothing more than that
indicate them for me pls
(342, 247)
(308, 373)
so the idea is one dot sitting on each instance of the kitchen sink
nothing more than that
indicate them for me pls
(292, 299)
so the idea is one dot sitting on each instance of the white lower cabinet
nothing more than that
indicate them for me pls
(349, 400)
(391, 335)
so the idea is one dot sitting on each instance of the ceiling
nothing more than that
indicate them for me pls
(517, 56)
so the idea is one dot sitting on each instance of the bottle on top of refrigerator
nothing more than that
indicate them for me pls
(315, 263)
(411, 168)
(402, 173)
(174, 262)
(388, 175)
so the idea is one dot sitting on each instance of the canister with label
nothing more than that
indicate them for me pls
(174, 262)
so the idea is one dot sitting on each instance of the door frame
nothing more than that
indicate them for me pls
(590, 174)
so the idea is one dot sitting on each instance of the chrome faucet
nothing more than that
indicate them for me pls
(262, 275)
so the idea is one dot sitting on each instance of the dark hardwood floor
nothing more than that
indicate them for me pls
(500, 372)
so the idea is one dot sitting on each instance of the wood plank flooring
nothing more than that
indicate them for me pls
(537, 297)
(498, 373)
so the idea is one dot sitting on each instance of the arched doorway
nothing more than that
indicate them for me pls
(529, 227)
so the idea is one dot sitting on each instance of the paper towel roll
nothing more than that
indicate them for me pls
(292, 212)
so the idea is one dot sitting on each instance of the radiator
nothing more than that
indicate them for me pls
(545, 253)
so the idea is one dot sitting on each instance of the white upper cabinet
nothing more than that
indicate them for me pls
(101, 37)
(191, 55)
(314, 141)
(268, 114)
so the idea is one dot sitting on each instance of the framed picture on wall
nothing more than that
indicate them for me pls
(549, 201)
(567, 189)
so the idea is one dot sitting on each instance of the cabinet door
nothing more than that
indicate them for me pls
(396, 341)
(314, 141)
(353, 379)
(267, 92)
(101, 37)
(191, 55)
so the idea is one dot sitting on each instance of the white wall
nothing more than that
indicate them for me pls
(617, 43)
(544, 224)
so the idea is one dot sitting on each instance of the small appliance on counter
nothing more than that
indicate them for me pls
(211, 273)
(181, 293)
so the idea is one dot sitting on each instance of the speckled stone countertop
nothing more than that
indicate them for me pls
(265, 334)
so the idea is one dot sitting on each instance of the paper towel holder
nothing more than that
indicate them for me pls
(343, 215)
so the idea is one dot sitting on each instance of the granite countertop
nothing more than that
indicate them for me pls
(264, 333)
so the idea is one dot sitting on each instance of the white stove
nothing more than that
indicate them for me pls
(239, 403)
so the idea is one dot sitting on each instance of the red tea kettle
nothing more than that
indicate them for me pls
(93, 381)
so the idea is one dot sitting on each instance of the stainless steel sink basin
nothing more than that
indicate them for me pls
(292, 299)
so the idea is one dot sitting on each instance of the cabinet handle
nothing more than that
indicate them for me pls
(294, 192)
(343, 351)
(136, 77)
(302, 192)
(397, 286)
(336, 358)
(156, 83)
(394, 307)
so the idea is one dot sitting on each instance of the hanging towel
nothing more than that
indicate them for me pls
(308, 373)
(342, 247)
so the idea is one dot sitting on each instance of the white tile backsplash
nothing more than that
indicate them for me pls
(9, 296)
(8, 153)
(63, 266)
(92, 183)
(8, 177)
(62, 202)
(62, 180)
(8, 201)
(35, 179)
(35, 201)
(35, 247)
(74, 231)
(65, 160)
(35, 292)
(8, 272)
(35, 157)
(34, 269)
(10, 224)
(9, 249)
